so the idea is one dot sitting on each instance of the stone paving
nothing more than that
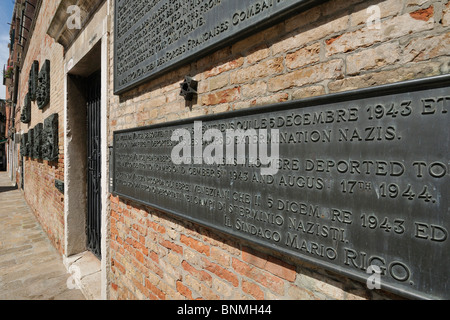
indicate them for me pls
(30, 267)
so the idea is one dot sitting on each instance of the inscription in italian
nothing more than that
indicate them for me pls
(363, 180)
(154, 36)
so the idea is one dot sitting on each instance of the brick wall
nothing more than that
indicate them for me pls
(324, 50)
(45, 200)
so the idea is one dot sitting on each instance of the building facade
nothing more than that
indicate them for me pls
(64, 55)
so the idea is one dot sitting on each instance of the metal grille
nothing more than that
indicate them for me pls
(93, 223)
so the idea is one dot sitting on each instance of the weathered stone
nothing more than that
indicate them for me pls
(333, 69)
(307, 92)
(389, 29)
(311, 34)
(380, 56)
(383, 77)
(223, 96)
(446, 16)
(364, 14)
(303, 57)
(427, 48)
(263, 69)
(255, 89)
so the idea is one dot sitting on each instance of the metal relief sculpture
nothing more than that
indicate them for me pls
(23, 145)
(25, 117)
(43, 88)
(29, 143)
(33, 80)
(150, 40)
(37, 141)
(50, 147)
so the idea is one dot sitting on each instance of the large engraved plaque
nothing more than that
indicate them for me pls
(362, 182)
(154, 36)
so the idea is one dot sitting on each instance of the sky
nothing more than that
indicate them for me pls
(6, 10)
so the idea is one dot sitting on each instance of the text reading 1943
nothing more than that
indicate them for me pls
(363, 181)
(153, 36)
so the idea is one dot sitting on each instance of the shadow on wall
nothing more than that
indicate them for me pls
(6, 189)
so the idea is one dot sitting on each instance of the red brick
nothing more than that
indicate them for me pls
(154, 256)
(269, 263)
(115, 200)
(155, 226)
(221, 272)
(260, 70)
(199, 274)
(265, 278)
(183, 290)
(118, 266)
(140, 229)
(172, 246)
(253, 289)
(220, 256)
(225, 67)
(423, 14)
(155, 290)
(195, 244)
(227, 95)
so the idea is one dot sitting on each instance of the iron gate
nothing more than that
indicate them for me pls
(93, 223)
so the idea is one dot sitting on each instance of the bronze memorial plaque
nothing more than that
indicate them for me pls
(154, 36)
(356, 182)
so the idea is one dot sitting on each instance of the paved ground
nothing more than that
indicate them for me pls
(30, 267)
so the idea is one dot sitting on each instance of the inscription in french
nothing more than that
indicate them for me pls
(23, 145)
(363, 179)
(153, 36)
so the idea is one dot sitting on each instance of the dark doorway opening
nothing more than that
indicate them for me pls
(93, 219)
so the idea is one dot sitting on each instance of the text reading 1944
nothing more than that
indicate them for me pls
(153, 36)
(361, 181)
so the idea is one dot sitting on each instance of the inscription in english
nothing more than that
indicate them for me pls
(363, 179)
